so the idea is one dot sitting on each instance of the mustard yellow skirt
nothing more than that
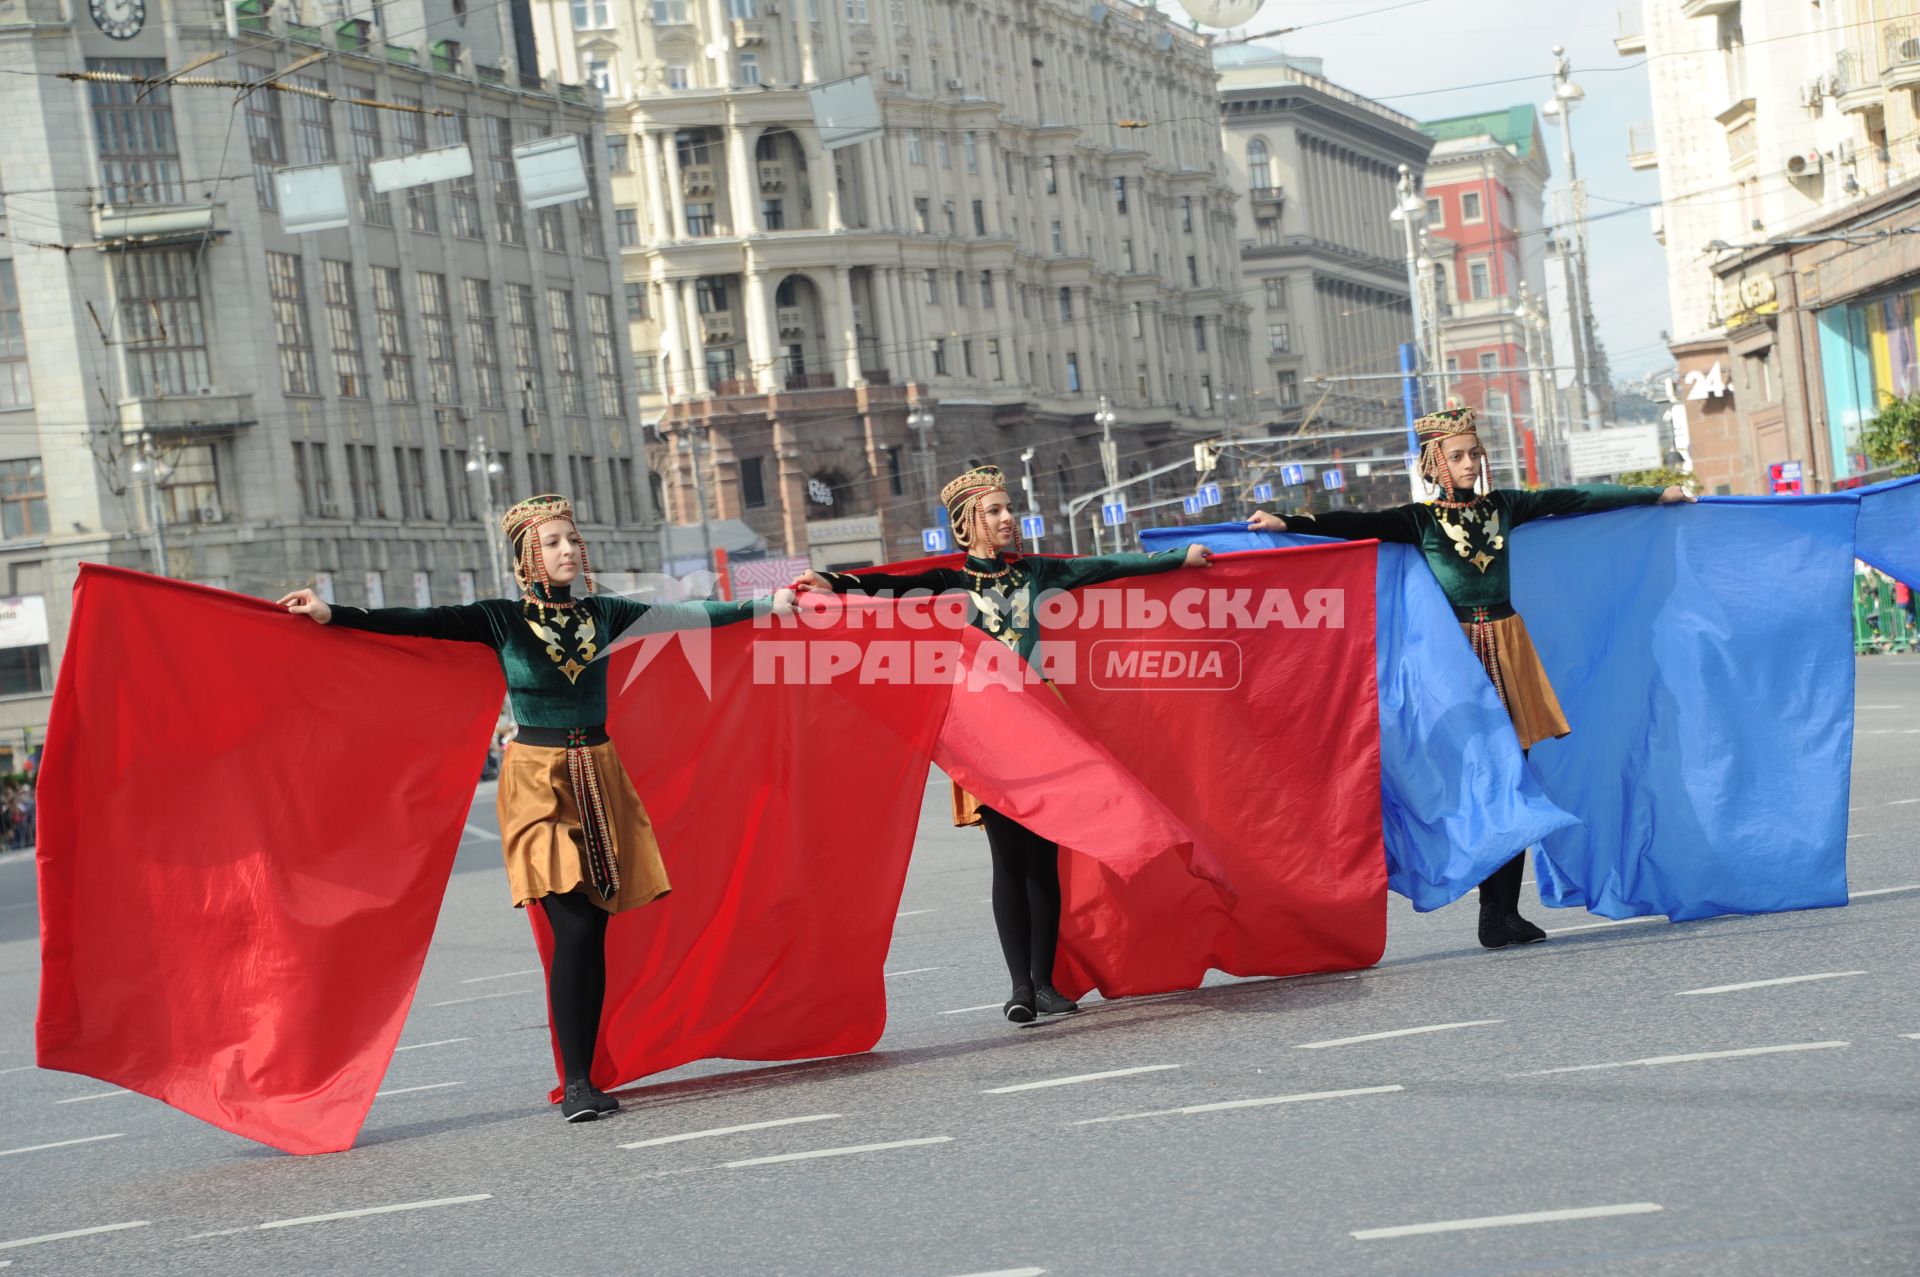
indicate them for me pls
(1508, 655)
(542, 839)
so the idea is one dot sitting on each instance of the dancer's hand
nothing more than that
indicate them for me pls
(785, 601)
(1675, 495)
(1264, 522)
(307, 603)
(1198, 555)
(811, 582)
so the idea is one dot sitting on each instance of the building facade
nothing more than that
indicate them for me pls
(1485, 236)
(1787, 142)
(1044, 220)
(188, 386)
(1316, 167)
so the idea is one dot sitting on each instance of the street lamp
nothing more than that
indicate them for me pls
(920, 421)
(148, 463)
(1558, 110)
(485, 462)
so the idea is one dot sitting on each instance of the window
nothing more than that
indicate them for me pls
(1267, 231)
(636, 301)
(1479, 279)
(922, 217)
(133, 130)
(933, 286)
(1206, 393)
(1489, 362)
(896, 475)
(960, 288)
(856, 10)
(749, 68)
(313, 119)
(619, 153)
(1470, 210)
(266, 135)
(1126, 255)
(646, 372)
(970, 145)
(410, 469)
(587, 211)
(946, 212)
(743, 8)
(363, 481)
(940, 356)
(753, 482)
(436, 334)
(1200, 334)
(411, 137)
(1276, 290)
(606, 362)
(626, 497)
(1073, 372)
(1138, 313)
(979, 215)
(1120, 195)
(23, 499)
(566, 358)
(363, 131)
(670, 12)
(993, 359)
(966, 356)
(581, 470)
(1259, 166)
(1287, 389)
(1279, 341)
(699, 219)
(1193, 271)
(390, 319)
(916, 153)
(1436, 214)
(463, 201)
(1059, 242)
(590, 15)
(679, 76)
(287, 289)
(16, 389)
(506, 185)
(313, 474)
(483, 341)
(1053, 175)
(626, 226)
(459, 488)
(986, 290)
(526, 343)
(1066, 303)
(710, 295)
(343, 331)
(1186, 213)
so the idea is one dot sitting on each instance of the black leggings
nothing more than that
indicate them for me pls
(1026, 898)
(1501, 890)
(576, 978)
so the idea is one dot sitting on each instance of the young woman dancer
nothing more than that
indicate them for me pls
(1462, 533)
(575, 835)
(1006, 589)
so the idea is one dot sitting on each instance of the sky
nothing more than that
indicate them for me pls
(1419, 56)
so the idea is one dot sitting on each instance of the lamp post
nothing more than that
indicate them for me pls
(920, 421)
(485, 462)
(1410, 211)
(1109, 458)
(1558, 110)
(154, 470)
(1026, 487)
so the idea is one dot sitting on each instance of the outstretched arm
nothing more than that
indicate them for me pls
(1586, 498)
(1400, 523)
(652, 618)
(465, 623)
(1070, 574)
(933, 581)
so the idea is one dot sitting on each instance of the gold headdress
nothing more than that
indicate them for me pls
(529, 565)
(1433, 430)
(962, 499)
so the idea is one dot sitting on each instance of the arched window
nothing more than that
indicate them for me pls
(1259, 165)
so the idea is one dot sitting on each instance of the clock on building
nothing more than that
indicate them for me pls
(1221, 13)
(121, 19)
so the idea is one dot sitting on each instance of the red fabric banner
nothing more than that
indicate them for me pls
(246, 828)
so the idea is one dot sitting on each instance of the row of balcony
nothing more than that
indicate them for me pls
(746, 387)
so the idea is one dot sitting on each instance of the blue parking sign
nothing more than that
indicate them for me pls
(1209, 494)
(1263, 492)
(1333, 480)
(1293, 476)
(1033, 526)
(1193, 505)
(1113, 513)
(936, 540)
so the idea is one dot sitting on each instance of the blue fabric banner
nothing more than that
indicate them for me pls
(1888, 533)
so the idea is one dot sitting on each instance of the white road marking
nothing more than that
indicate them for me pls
(421, 1046)
(1694, 1057)
(1902, 802)
(914, 913)
(376, 1210)
(1879, 707)
(77, 1232)
(35, 1148)
(1883, 891)
(730, 1130)
(1595, 926)
(408, 1090)
(1225, 1105)
(478, 832)
(97, 1095)
(482, 997)
(1851, 837)
(1915, 1036)
(219, 1232)
(20, 1068)
(1078, 1078)
(504, 975)
(1393, 1033)
(1767, 984)
(1009, 1272)
(984, 1006)
(1504, 1221)
(911, 971)
(836, 1152)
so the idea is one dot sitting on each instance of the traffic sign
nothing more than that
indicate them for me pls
(1786, 478)
(1209, 494)
(1293, 476)
(1332, 480)
(1033, 526)
(1194, 505)
(936, 540)
(1263, 492)
(1113, 513)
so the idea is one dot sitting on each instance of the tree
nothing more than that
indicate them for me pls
(1892, 437)
(1663, 477)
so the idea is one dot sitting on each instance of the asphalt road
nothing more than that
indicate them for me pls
(1431, 1115)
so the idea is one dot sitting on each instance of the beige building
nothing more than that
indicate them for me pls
(186, 385)
(1044, 220)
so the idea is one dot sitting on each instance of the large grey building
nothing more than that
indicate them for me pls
(187, 385)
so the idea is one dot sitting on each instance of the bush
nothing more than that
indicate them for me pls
(1892, 438)
(1663, 477)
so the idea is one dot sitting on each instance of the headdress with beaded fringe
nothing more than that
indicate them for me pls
(1433, 430)
(529, 565)
(962, 500)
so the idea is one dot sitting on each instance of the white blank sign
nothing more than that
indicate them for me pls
(420, 168)
(845, 111)
(551, 171)
(311, 199)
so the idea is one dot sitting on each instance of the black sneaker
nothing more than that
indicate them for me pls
(602, 1101)
(577, 1104)
(1498, 929)
(1048, 1000)
(1019, 1008)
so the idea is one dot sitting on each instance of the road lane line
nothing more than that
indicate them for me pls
(1883, 891)
(97, 1095)
(76, 1232)
(376, 1210)
(1078, 1078)
(219, 1232)
(836, 1152)
(911, 971)
(20, 1068)
(35, 1148)
(913, 913)
(482, 997)
(1226, 1105)
(504, 975)
(1504, 1221)
(1595, 926)
(984, 1006)
(421, 1046)
(487, 834)
(1767, 984)
(408, 1090)
(1902, 802)
(1694, 1057)
(658, 1140)
(1010, 1272)
(1393, 1033)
